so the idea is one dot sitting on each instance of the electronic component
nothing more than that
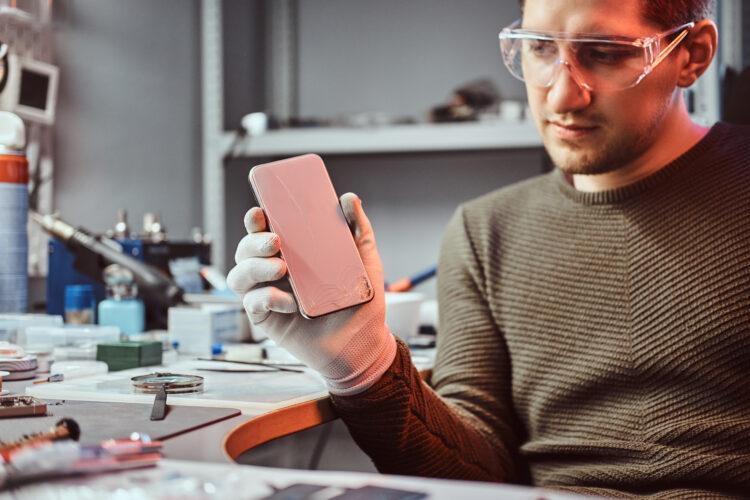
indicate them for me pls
(69, 264)
(21, 406)
(60, 458)
(93, 254)
(66, 428)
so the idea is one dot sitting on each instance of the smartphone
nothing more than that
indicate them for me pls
(324, 267)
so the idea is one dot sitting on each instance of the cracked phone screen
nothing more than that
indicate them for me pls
(325, 269)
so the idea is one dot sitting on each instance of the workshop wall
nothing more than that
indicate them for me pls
(129, 108)
(356, 56)
(244, 31)
(128, 120)
(409, 198)
(391, 56)
(398, 57)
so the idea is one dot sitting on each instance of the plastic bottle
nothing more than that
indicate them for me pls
(80, 305)
(14, 206)
(122, 307)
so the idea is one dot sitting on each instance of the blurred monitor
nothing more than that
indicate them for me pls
(30, 90)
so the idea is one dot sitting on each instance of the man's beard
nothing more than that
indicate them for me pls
(606, 158)
(613, 154)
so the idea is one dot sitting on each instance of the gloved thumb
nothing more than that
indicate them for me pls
(364, 236)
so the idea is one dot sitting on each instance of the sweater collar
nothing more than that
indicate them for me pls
(619, 195)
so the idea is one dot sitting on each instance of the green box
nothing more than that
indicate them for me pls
(124, 355)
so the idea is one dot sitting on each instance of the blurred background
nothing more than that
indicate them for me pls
(143, 118)
(152, 96)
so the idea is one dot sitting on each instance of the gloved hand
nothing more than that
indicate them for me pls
(351, 348)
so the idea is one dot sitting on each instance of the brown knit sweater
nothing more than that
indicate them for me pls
(598, 342)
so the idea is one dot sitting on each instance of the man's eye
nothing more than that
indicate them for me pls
(542, 48)
(605, 55)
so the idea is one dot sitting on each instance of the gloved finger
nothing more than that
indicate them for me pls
(363, 233)
(255, 220)
(260, 302)
(249, 272)
(263, 244)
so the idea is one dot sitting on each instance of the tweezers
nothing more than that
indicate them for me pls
(255, 363)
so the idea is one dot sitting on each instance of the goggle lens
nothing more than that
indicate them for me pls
(594, 65)
(596, 62)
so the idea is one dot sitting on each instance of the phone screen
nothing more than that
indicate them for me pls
(325, 269)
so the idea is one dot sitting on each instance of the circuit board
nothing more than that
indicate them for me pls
(21, 406)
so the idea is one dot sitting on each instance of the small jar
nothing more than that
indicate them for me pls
(80, 304)
(122, 308)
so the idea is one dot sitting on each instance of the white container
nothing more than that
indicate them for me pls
(85, 352)
(78, 368)
(402, 313)
(81, 336)
(246, 332)
(12, 324)
(198, 328)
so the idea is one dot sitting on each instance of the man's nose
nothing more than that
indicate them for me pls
(566, 94)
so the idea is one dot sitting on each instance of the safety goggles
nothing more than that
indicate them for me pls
(596, 62)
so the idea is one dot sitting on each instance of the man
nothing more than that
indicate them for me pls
(594, 322)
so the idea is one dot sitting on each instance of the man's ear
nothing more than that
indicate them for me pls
(700, 48)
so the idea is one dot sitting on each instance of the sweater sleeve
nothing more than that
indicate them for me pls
(464, 427)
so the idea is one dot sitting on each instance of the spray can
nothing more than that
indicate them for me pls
(14, 206)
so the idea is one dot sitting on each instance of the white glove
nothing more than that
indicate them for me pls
(352, 348)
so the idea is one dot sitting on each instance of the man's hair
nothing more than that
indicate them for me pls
(673, 13)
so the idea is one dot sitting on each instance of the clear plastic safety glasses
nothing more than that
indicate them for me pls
(596, 62)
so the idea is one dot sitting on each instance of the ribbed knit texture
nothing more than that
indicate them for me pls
(362, 362)
(597, 342)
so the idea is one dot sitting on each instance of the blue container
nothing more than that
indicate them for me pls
(127, 313)
(80, 304)
(14, 206)
(61, 273)
(122, 307)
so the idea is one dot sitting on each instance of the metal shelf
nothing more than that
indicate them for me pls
(389, 139)
(219, 144)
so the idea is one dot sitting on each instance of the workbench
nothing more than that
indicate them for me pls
(208, 452)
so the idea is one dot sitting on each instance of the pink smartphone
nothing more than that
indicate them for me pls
(325, 269)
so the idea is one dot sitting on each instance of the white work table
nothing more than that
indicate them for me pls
(272, 405)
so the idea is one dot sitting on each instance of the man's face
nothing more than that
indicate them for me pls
(597, 132)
